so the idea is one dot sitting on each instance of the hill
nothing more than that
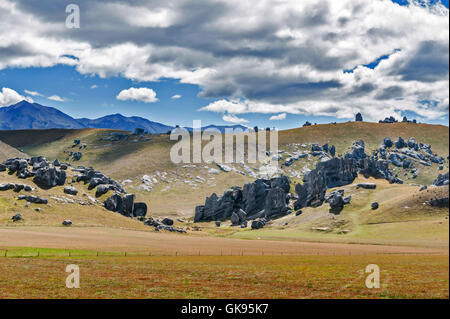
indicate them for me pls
(25, 115)
(7, 151)
(120, 122)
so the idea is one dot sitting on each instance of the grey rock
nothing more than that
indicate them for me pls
(49, 177)
(441, 180)
(70, 190)
(139, 210)
(366, 185)
(374, 205)
(67, 223)
(16, 218)
(167, 221)
(33, 199)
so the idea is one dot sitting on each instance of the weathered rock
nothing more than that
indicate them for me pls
(336, 202)
(441, 180)
(77, 156)
(16, 218)
(114, 203)
(439, 202)
(332, 150)
(128, 205)
(6, 187)
(49, 177)
(400, 143)
(238, 217)
(257, 224)
(67, 223)
(33, 199)
(139, 210)
(167, 221)
(374, 205)
(276, 203)
(70, 190)
(387, 142)
(358, 117)
(302, 196)
(366, 185)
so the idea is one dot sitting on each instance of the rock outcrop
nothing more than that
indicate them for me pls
(441, 180)
(262, 198)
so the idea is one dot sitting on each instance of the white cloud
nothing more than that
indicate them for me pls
(278, 117)
(274, 57)
(233, 119)
(95, 86)
(56, 98)
(32, 93)
(145, 95)
(176, 97)
(9, 97)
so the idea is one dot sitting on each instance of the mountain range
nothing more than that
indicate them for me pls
(25, 115)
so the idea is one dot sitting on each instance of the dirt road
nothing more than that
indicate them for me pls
(110, 239)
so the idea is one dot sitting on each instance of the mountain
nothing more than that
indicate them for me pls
(221, 128)
(25, 115)
(118, 121)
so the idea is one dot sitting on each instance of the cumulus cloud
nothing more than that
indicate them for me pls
(145, 95)
(233, 119)
(9, 96)
(278, 117)
(95, 86)
(176, 97)
(292, 62)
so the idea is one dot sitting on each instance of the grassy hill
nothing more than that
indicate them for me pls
(7, 151)
(179, 188)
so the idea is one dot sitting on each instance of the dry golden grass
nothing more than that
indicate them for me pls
(419, 276)
(7, 151)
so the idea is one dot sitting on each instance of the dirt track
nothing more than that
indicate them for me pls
(108, 239)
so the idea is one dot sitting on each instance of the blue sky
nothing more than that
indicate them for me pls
(242, 83)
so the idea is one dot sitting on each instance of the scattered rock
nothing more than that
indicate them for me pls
(441, 180)
(70, 190)
(374, 205)
(167, 221)
(16, 218)
(67, 222)
(33, 199)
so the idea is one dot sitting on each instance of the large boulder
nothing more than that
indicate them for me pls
(358, 117)
(400, 143)
(302, 196)
(140, 210)
(70, 190)
(16, 218)
(167, 221)
(387, 142)
(33, 199)
(114, 203)
(48, 177)
(238, 217)
(336, 202)
(254, 196)
(276, 203)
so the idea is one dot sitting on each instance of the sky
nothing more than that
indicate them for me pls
(267, 63)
